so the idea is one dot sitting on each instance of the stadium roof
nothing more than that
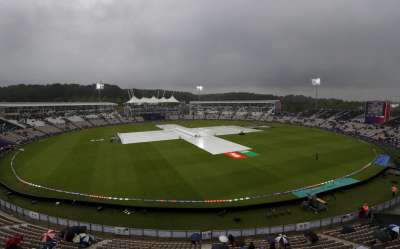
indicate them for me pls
(236, 102)
(53, 104)
(152, 100)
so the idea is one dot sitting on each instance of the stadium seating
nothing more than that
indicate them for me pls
(363, 234)
(12, 137)
(49, 129)
(121, 118)
(200, 115)
(299, 242)
(347, 122)
(30, 133)
(331, 238)
(95, 120)
(110, 118)
(226, 115)
(188, 117)
(147, 244)
(139, 119)
(60, 123)
(78, 121)
(343, 122)
(10, 226)
(240, 114)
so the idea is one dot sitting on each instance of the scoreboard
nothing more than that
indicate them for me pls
(377, 112)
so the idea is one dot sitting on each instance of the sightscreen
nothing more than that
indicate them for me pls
(377, 112)
(376, 108)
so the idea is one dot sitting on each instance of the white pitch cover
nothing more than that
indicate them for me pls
(215, 145)
(147, 136)
(203, 138)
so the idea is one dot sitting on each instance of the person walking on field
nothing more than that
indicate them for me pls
(394, 190)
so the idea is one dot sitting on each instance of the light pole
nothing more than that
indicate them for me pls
(199, 90)
(316, 83)
(99, 87)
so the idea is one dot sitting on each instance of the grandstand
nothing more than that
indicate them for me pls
(37, 109)
(153, 108)
(350, 125)
(32, 120)
(255, 110)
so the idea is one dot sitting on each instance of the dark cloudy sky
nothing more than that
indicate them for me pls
(271, 46)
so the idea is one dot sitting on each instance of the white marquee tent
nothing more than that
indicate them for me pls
(153, 100)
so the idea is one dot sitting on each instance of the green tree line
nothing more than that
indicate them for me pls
(75, 92)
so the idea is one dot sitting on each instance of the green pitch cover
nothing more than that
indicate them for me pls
(249, 153)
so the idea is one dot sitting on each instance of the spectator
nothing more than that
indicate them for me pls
(231, 239)
(271, 242)
(394, 190)
(251, 246)
(282, 241)
(14, 242)
(364, 212)
(311, 237)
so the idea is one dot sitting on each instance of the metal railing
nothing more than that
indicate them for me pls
(29, 215)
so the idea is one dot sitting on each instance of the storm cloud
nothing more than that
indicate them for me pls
(232, 45)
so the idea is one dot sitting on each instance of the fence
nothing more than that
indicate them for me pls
(52, 220)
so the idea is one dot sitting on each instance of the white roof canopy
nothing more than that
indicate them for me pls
(153, 100)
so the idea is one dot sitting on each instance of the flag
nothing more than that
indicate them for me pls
(248, 153)
(235, 155)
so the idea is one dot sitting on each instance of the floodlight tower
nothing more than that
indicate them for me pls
(199, 90)
(316, 83)
(99, 87)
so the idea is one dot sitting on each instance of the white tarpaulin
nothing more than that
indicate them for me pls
(147, 136)
(203, 138)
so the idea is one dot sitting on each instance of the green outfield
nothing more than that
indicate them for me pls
(176, 170)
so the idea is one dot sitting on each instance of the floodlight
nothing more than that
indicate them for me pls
(199, 88)
(316, 82)
(99, 86)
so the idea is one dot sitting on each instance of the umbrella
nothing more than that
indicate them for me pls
(382, 235)
(394, 228)
(282, 239)
(86, 238)
(347, 229)
(270, 240)
(313, 237)
(195, 237)
(14, 241)
(81, 238)
(77, 239)
(69, 233)
(49, 235)
(231, 238)
(50, 244)
(223, 239)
